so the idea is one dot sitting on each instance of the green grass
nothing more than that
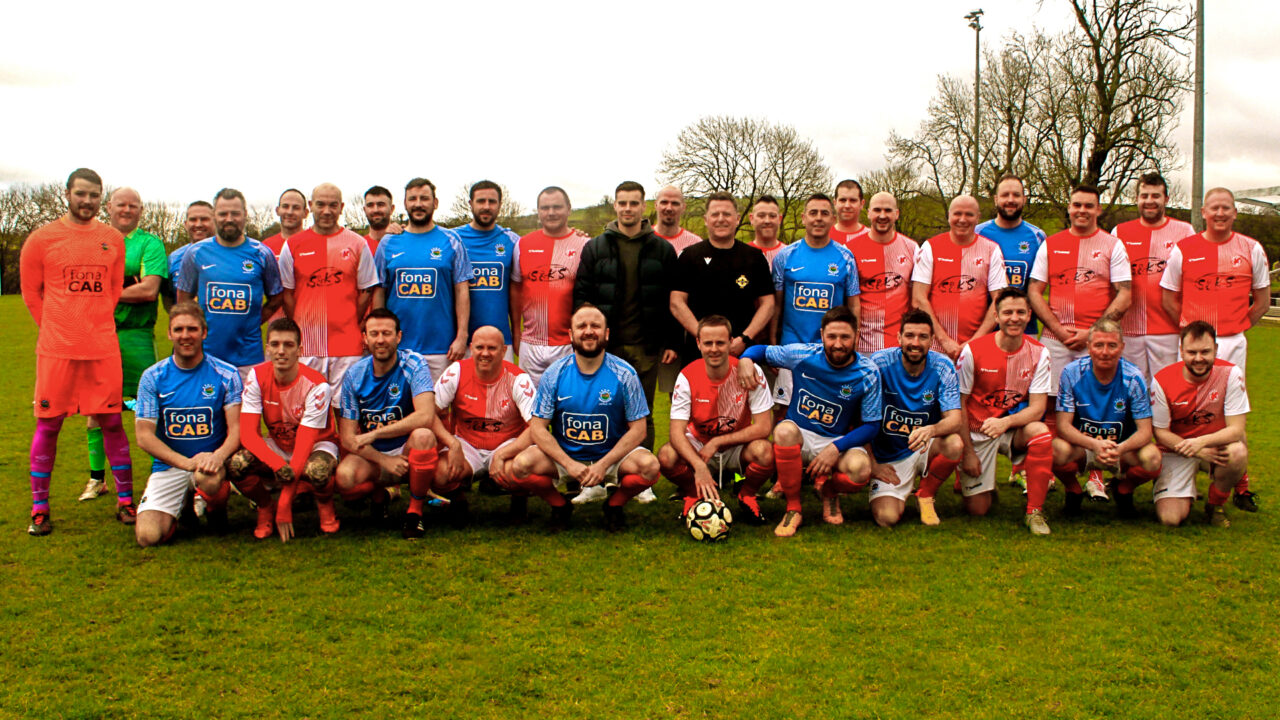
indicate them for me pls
(974, 619)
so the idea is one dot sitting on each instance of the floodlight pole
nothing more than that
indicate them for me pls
(975, 22)
(1197, 142)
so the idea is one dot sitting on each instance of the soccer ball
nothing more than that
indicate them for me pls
(708, 520)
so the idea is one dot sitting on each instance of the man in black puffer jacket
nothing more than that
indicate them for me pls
(629, 272)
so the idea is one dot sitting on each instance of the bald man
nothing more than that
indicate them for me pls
(955, 276)
(885, 259)
(669, 207)
(145, 268)
(328, 277)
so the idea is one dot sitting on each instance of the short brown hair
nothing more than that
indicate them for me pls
(190, 309)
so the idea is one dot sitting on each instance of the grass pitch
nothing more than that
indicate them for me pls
(973, 619)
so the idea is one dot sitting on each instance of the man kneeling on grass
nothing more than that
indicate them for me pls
(301, 449)
(388, 406)
(1199, 407)
(188, 419)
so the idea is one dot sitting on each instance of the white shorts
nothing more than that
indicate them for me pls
(1177, 477)
(478, 459)
(909, 469)
(610, 474)
(728, 460)
(782, 388)
(333, 369)
(167, 491)
(811, 443)
(1234, 349)
(438, 364)
(510, 356)
(325, 446)
(535, 359)
(1059, 357)
(1151, 353)
(986, 448)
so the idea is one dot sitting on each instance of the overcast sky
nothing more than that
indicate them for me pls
(180, 99)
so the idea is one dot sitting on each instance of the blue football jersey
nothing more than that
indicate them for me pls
(1019, 246)
(175, 262)
(911, 401)
(812, 282)
(1104, 411)
(418, 271)
(188, 405)
(491, 254)
(589, 414)
(828, 400)
(374, 401)
(231, 284)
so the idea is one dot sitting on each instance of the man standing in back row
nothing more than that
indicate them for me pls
(885, 259)
(669, 209)
(491, 251)
(1018, 239)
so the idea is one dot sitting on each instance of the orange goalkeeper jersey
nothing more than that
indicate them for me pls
(72, 276)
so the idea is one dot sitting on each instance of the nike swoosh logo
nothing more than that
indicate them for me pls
(807, 377)
(206, 267)
(566, 397)
(396, 255)
(795, 269)
(313, 252)
(165, 395)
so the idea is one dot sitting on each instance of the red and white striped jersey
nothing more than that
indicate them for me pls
(769, 253)
(1000, 383)
(326, 274)
(1193, 409)
(485, 414)
(680, 241)
(546, 268)
(884, 276)
(846, 238)
(716, 407)
(1148, 249)
(1217, 280)
(961, 281)
(304, 402)
(1080, 273)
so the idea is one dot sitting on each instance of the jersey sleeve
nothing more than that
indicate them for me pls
(544, 405)
(1040, 380)
(1237, 400)
(188, 280)
(852, 286)
(1040, 266)
(1067, 387)
(285, 265)
(681, 399)
(349, 408)
(154, 261)
(366, 273)
(461, 261)
(949, 386)
(523, 392)
(1261, 271)
(316, 413)
(1159, 406)
(420, 379)
(1172, 278)
(1120, 269)
(31, 276)
(251, 399)
(788, 356)
(923, 270)
(233, 387)
(515, 263)
(964, 370)
(270, 272)
(634, 401)
(872, 406)
(997, 280)
(148, 405)
(1139, 398)
(779, 264)
(760, 399)
(447, 386)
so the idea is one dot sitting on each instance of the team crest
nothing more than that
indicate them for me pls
(1119, 406)
(299, 409)
(605, 396)
(1237, 261)
(1026, 374)
(1024, 247)
(436, 253)
(248, 266)
(977, 262)
(846, 391)
(346, 253)
(394, 390)
(1095, 254)
(105, 247)
(570, 253)
(741, 282)
(927, 396)
(1213, 396)
(833, 269)
(501, 249)
(207, 390)
(902, 259)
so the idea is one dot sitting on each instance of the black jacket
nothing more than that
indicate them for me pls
(598, 283)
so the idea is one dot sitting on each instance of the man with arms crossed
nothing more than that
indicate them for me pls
(1104, 422)
(834, 412)
(885, 260)
(920, 433)
(542, 278)
(301, 446)
(587, 427)
(955, 276)
(716, 426)
(188, 420)
(388, 407)
(1199, 407)
(72, 276)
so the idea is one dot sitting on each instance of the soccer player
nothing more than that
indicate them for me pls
(1199, 407)
(483, 406)
(199, 226)
(920, 431)
(328, 277)
(72, 274)
(810, 277)
(388, 407)
(669, 210)
(1150, 334)
(848, 212)
(378, 209)
(424, 274)
(587, 427)
(1087, 273)
(956, 274)
(1220, 276)
(716, 426)
(1004, 377)
(766, 220)
(188, 420)
(491, 251)
(1104, 422)
(1019, 240)
(721, 276)
(885, 258)
(834, 412)
(292, 210)
(301, 447)
(542, 279)
(236, 281)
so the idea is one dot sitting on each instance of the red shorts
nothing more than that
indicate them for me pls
(83, 387)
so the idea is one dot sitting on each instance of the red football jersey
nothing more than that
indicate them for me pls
(304, 402)
(485, 414)
(961, 281)
(1080, 273)
(716, 407)
(1148, 250)
(884, 276)
(326, 274)
(845, 238)
(546, 268)
(1190, 409)
(769, 253)
(999, 383)
(1217, 280)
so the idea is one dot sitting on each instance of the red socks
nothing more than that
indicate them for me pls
(840, 483)
(1243, 485)
(940, 467)
(754, 479)
(422, 470)
(790, 468)
(1039, 470)
(629, 486)
(1216, 496)
(544, 487)
(682, 477)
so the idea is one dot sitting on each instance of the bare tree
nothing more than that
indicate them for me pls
(747, 158)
